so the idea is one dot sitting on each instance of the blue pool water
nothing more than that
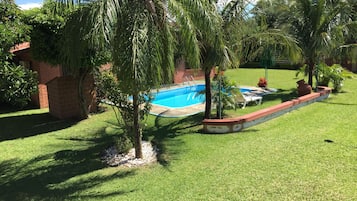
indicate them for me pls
(182, 97)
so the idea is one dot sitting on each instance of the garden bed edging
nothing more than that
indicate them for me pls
(236, 124)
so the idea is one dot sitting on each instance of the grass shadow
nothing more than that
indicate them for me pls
(14, 127)
(331, 103)
(164, 134)
(60, 175)
(6, 108)
(282, 94)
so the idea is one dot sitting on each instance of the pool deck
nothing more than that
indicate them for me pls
(177, 112)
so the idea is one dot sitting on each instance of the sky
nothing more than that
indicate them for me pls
(27, 4)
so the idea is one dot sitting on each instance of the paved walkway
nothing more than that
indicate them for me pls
(177, 112)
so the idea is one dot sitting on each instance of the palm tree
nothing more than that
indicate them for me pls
(239, 40)
(319, 26)
(252, 35)
(217, 53)
(139, 34)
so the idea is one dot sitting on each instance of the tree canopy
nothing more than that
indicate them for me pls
(319, 26)
(12, 28)
(17, 83)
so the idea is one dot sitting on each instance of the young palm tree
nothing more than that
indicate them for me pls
(139, 34)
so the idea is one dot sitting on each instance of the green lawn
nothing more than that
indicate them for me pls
(307, 154)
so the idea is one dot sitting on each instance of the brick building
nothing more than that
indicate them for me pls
(45, 71)
(59, 92)
(56, 91)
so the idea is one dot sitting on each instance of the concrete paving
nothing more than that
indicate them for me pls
(177, 112)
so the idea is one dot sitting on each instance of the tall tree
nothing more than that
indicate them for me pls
(12, 28)
(240, 39)
(319, 26)
(139, 34)
(216, 52)
(252, 34)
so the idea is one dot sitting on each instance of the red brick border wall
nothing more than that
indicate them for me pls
(63, 96)
(237, 124)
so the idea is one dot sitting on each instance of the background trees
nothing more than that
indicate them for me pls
(17, 84)
(46, 31)
(319, 26)
(53, 28)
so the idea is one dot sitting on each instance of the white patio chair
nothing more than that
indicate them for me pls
(244, 99)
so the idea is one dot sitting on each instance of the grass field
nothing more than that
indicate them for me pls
(307, 154)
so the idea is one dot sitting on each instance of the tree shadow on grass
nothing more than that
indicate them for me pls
(14, 127)
(165, 132)
(332, 103)
(282, 94)
(60, 175)
(6, 108)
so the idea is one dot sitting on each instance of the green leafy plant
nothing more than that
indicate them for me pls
(326, 74)
(17, 84)
(223, 95)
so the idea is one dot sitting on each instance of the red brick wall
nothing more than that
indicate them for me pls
(41, 98)
(181, 73)
(45, 71)
(63, 96)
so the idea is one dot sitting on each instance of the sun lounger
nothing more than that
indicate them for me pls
(244, 99)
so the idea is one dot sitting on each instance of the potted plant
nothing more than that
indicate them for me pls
(262, 82)
(303, 88)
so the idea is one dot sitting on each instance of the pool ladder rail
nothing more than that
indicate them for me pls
(189, 80)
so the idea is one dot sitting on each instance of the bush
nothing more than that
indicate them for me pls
(334, 74)
(17, 84)
(123, 144)
(325, 74)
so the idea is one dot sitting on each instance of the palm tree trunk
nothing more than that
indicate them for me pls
(137, 130)
(311, 65)
(82, 100)
(208, 93)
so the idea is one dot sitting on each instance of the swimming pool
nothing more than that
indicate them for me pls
(180, 97)
(183, 97)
